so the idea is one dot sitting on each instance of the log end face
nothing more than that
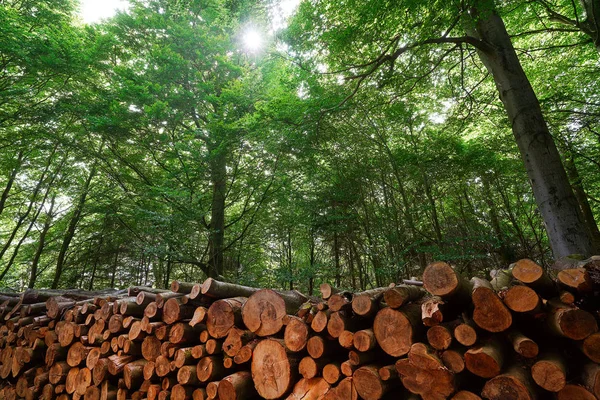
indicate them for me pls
(271, 371)
(527, 271)
(393, 331)
(368, 383)
(263, 312)
(440, 279)
(490, 312)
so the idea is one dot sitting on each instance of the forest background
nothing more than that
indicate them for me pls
(353, 142)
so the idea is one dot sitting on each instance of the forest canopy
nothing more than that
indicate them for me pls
(352, 142)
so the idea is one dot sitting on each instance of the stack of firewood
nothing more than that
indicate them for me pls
(520, 335)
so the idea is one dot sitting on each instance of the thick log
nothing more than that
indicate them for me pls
(341, 321)
(490, 312)
(533, 275)
(367, 303)
(550, 372)
(485, 360)
(364, 340)
(397, 296)
(174, 310)
(574, 392)
(590, 378)
(522, 299)
(522, 344)
(453, 359)
(569, 322)
(346, 339)
(466, 334)
(272, 370)
(369, 384)
(264, 310)
(310, 367)
(339, 301)
(223, 315)
(440, 279)
(332, 373)
(209, 369)
(237, 386)
(222, 290)
(395, 330)
(327, 290)
(591, 347)
(515, 383)
(319, 322)
(296, 334)
(428, 383)
(309, 389)
(576, 280)
(346, 390)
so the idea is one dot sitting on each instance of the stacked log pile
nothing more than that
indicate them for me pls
(520, 335)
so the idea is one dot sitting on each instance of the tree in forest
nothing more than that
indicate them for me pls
(379, 41)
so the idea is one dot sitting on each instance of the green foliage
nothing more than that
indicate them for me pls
(328, 175)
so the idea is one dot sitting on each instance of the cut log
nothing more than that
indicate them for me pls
(523, 345)
(174, 310)
(236, 339)
(591, 378)
(533, 275)
(440, 337)
(272, 370)
(222, 290)
(575, 392)
(364, 340)
(429, 383)
(395, 330)
(327, 290)
(522, 299)
(485, 360)
(209, 369)
(440, 279)
(591, 347)
(550, 372)
(223, 315)
(237, 386)
(346, 390)
(397, 296)
(514, 384)
(296, 334)
(369, 384)
(332, 373)
(453, 359)
(309, 389)
(367, 303)
(264, 311)
(575, 279)
(465, 334)
(572, 323)
(490, 312)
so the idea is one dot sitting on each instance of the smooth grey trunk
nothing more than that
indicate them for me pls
(41, 244)
(553, 194)
(70, 233)
(218, 174)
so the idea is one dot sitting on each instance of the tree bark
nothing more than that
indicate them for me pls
(218, 176)
(553, 193)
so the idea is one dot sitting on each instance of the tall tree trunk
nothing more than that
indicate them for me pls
(70, 233)
(218, 175)
(11, 180)
(41, 244)
(553, 193)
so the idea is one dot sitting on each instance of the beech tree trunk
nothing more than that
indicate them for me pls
(553, 193)
(218, 175)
